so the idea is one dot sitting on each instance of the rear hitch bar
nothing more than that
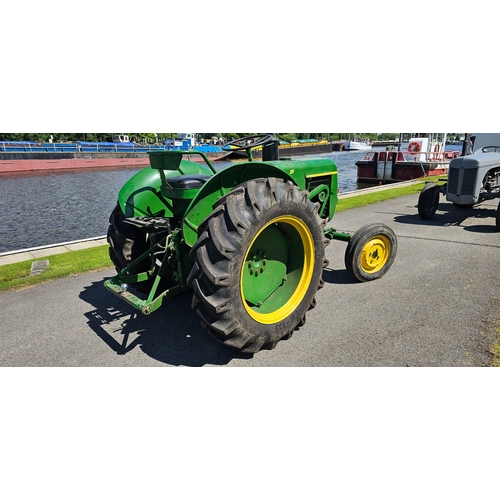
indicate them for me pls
(119, 285)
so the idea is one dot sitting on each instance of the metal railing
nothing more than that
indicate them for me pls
(423, 156)
(77, 148)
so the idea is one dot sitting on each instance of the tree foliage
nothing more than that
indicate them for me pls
(152, 138)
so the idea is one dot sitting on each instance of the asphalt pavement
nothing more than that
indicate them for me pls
(437, 306)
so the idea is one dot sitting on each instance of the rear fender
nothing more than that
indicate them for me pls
(218, 186)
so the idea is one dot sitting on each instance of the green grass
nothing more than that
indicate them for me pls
(377, 196)
(13, 276)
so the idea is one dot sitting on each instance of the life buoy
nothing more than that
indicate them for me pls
(414, 147)
(435, 156)
(172, 144)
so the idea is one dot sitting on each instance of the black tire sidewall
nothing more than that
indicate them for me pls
(430, 190)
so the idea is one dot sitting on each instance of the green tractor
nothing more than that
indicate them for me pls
(248, 240)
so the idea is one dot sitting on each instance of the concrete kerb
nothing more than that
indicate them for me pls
(47, 250)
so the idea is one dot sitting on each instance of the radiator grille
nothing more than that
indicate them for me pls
(469, 181)
(453, 175)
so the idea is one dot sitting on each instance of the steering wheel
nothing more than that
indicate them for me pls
(243, 142)
(496, 148)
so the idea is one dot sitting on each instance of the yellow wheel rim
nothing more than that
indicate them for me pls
(375, 254)
(291, 272)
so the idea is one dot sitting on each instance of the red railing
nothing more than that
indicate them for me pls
(403, 156)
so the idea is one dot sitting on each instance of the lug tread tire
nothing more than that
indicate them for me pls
(126, 242)
(218, 255)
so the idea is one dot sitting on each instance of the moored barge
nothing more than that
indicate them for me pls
(420, 157)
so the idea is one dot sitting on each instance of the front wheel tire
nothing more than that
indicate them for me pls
(258, 264)
(428, 201)
(371, 252)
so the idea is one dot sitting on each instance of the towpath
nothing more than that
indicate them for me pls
(437, 306)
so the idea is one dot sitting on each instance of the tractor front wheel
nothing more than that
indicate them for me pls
(371, 252)
(258, 264)
(428, 201)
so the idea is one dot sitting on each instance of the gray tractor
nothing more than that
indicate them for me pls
(472, 179)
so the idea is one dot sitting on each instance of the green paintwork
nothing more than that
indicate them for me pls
(333, 234)
(227, 179)
(265, 266)
(219, 185)
(274, 267)
(141, 195)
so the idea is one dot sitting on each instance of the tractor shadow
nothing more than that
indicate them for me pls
(337, 276)
(449, 215)
(172, 335)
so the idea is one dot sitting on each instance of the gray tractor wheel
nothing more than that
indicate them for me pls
(428, 201)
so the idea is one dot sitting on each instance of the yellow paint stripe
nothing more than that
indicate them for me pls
(321, 175)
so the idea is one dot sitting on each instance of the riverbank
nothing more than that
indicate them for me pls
(41, 252)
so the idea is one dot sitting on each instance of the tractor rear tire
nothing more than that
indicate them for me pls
(428, 201)
(258, 263)
(126, 242)
(371, 252)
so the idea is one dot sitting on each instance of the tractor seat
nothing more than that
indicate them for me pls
(193, 181)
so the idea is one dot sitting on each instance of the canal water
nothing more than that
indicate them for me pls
(38, 209)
